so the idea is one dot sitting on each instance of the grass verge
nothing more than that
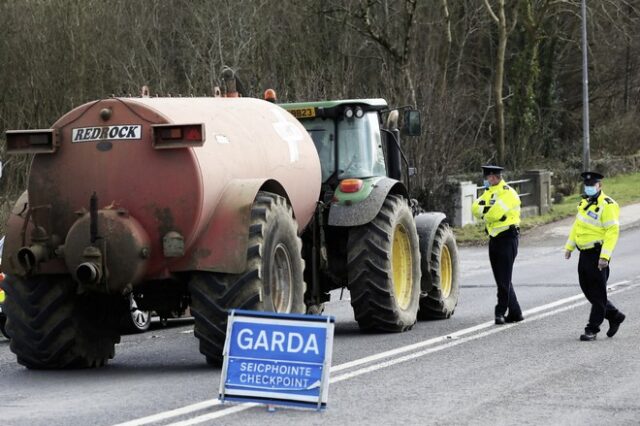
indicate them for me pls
(625, 189)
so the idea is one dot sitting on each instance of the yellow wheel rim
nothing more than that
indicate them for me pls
(446, 272)
(402, 266)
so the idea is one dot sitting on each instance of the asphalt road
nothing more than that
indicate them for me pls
(461, 371)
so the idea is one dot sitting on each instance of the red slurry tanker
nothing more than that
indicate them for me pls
(213, 204)
(178, 200)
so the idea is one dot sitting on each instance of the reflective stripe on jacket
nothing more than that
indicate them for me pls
(596, 223)
(499, 207)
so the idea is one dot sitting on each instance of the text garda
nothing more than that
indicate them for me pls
(277, 341)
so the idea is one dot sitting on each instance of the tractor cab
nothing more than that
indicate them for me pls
(353, 142)
(346, 135)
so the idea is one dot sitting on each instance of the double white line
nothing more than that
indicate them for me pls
(378, 362)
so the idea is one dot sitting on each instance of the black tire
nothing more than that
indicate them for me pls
(440, 286)
(272, 282)
(52, 327)
(379, 301)
(3, 325)
(134, 320)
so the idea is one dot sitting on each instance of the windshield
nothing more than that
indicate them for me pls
(360, 148)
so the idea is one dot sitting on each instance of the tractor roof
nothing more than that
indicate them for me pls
(373, 104)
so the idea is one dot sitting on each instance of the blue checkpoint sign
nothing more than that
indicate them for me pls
(278, 359)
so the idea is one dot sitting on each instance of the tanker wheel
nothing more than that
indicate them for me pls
(52, 327)
(272, 282)
(384, 269)
(440, 276)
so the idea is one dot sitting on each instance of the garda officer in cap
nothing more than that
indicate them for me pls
(499, 207)
(595, 233)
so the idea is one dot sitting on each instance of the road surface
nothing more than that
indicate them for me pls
(461, 371)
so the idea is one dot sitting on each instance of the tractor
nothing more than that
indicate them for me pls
(398, 262)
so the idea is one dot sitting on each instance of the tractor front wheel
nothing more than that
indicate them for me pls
(440, 287)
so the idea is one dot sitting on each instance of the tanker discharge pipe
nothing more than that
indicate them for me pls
(30, 257)
(88, 273)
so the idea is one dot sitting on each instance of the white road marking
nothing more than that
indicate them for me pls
(449, 341)
(217, 414)
(171, 413)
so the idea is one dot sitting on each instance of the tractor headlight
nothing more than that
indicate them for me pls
(348, 112)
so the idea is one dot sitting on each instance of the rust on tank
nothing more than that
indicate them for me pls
(165, 219)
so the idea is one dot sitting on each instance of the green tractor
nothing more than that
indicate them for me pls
(398, 262)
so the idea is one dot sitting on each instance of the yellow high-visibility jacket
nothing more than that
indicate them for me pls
(596, 223)
(499, 207)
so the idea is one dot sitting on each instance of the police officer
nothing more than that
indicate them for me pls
(499, 207)
(595, 233)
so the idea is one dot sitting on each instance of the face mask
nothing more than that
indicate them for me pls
(486, 183)
(590, 191)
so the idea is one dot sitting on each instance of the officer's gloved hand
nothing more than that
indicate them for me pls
(602, 263)
(567, 254)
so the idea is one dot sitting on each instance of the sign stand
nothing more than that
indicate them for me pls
(225, 352)
(277, 359)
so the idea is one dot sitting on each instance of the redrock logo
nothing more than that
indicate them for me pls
(88, 134)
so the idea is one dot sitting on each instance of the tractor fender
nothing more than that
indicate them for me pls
(427, 225)
(223, 244)
(365, 211)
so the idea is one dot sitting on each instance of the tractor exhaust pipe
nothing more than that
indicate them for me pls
(30, 257)
(88, 273)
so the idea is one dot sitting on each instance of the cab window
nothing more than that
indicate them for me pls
(360, 152)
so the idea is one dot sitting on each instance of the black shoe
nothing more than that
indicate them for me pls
(500, 319)
(513, 318)
(588, 336)
(614, 325)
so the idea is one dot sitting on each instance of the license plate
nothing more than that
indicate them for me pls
(303, 112)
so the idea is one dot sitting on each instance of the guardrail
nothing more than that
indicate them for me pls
(516, 184)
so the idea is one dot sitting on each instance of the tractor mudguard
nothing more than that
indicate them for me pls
(365, 211)
(427, 225)
(223, 245)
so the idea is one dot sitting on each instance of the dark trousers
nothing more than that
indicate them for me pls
(503, 250)
(593, 282)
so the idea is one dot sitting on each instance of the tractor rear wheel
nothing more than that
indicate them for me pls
(272, 282)
(384, 269)
(440, 287)
(52, 327)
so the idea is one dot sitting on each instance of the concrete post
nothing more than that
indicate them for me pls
(539, 186)
(467, 193)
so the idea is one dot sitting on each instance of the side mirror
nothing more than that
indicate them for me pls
(412, 125)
